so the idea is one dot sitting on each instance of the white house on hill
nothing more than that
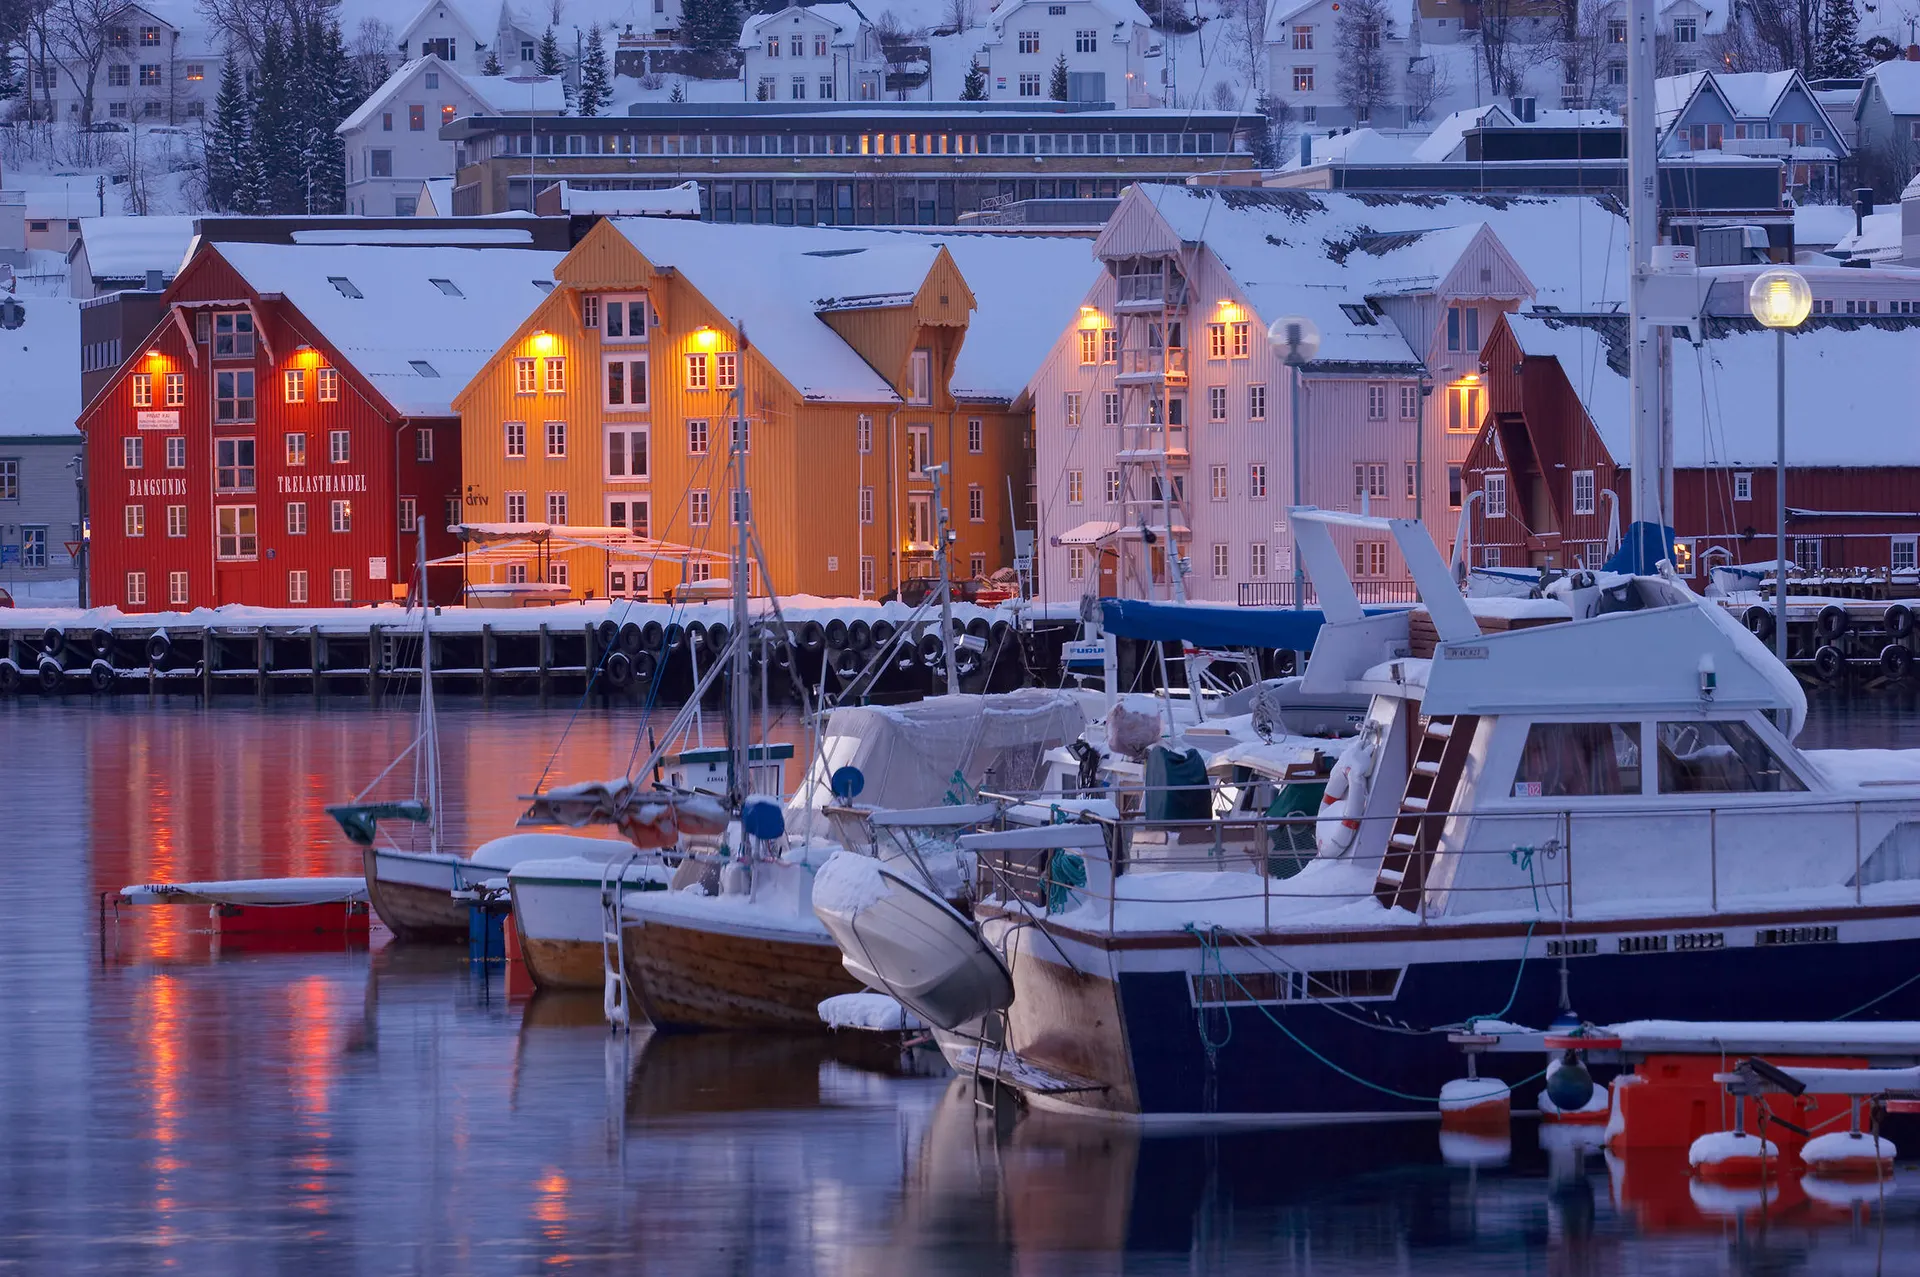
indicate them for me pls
(463, 32)
(824, 52)
(1303, 63)
(1112, 52)
(159, 64)
(393, 141)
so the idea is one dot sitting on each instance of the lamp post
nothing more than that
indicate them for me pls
(1295, 342)
(1780, 299)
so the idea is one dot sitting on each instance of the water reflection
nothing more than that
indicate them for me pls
(168, 1105)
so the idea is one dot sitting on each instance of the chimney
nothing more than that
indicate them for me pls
(154, 284)
(1913, 53)
(1862, 206)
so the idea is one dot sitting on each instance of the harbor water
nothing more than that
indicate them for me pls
(169, 1107)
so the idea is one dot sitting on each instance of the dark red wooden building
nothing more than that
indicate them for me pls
(277, 436)
(1551, 460)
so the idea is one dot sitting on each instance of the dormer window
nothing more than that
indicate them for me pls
(920, 378)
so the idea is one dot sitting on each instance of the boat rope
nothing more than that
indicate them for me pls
(1207, 943)
(1875, 1001)
(1209, 946)
(1514, 994)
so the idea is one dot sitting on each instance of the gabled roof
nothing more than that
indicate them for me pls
(1899, 84)
(1324, 255)
(415, 342)
(845, 18)
(481, 18)
(1723, 400)
(492, 92)
(129, 247)
(1118, 12)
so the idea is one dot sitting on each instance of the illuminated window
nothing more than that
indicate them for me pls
(523, 378)
(1257, 480)
(297, 448)
(176, 389)
(136, 520)
(296, 385)
(1074, 399)
(236, 536)
(696, 371)
(556, 376)
(1076, 487)
(142, 389)
(340, 516)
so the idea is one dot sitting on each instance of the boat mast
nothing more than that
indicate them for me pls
(1647, 533)
(740, 704)
(429, 728)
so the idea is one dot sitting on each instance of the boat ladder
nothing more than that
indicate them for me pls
(616, 997)
(982, 1098)
(1432, 780)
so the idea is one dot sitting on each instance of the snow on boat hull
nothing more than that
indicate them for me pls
(915, 946)
(557, 915)
(708, 974)
(1140, 1034)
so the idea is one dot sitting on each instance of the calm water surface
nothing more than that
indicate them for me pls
(167, 1107)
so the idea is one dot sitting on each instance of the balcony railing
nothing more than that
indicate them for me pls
(1279, 593)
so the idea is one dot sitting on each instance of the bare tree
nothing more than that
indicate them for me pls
(959, 15)
(1427, 82)
(247, 23)
(1361, 75)
(1786, 28)
(1584, 52)
(75, 37)
(1245, 40)
(370, 55)
(1514, 38)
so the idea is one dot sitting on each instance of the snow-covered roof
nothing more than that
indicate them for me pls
(675, 201)
(1753, 95)
(1313, 253)
(1360, 146)
(417, 343)
(1899, 84)
(845, 19)
(1450, 134)
(436, 197)
(1671, 93)
(1878, 239)
(40, 370)
(129, 247)
(778, 280)
(493, 93)
(1281, 13)
(1119, 12)
(1821, 225)
(1723, 393)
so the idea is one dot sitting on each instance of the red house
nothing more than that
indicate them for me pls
(1551, 460)
(277, 436)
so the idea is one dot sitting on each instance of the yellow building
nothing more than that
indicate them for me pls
(613, 405)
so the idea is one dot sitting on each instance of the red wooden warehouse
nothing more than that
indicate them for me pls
(1550, 464)
(278, 435)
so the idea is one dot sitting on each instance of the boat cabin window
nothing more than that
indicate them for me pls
(1577, 760)
(1719, 758)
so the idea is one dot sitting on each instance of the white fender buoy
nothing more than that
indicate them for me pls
(1346, 797)
(1849, 1155)
(1731, 1156)
(1482, 1104)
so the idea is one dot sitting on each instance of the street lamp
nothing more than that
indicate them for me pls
(1295, 342)
(1780, 299)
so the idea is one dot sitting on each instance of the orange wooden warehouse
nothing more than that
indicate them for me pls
(863, 359)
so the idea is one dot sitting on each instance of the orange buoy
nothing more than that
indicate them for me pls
(1476, 1104)
(1849, 1155)
(1731, 1157)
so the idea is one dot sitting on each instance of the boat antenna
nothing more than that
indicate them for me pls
(1647, 345)
(429, 725)
(740, 692)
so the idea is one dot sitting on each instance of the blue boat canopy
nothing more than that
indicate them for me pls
(1215, 625)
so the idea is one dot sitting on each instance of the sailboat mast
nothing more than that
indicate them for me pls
(429, 728)
(1643, 231)
(739, 688)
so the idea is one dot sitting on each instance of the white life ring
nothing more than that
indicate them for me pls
(1346, 797)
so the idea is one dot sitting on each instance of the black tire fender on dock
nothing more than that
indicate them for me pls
(696, 636)
(933, 648)
(644, 664)
(9, 678)
(608, 633)
(632, 638)
(653, 636)
(1895, 661)
(1829, 661)
(159, 649)
(1758, 619)
(966, 662)
(883, 632)
(859, 635)
(618, 669)
(102, 641)
(100, 675)
(673, 637)
(52, 641)
(1899, 620)
(846, 662)
(980, 627)
(717, 636)
(51, 676)
(836, 632)
(1834, 621)
(812, 636)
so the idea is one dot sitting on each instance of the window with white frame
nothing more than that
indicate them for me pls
(1076, 563)
(1463, 328)
(1221, 561)
(1463, 409)
(136, 520)
(1494, 485)
(556, 368)
(589, 310)
(1257, 480)
(1029, 42)
(1413, 480)
(1901, 554)
(976, 503)
(1257, 561)
(867, 577)
(699, 508)
(1490, 556)
(177, 588)
(423, 443)
(1030, 84)
(1409, 402)
(1370, 479)
(1076, 487)
(343, 585)
(137, 588)
(297, 586)
(556, 437)
(133, 452)
(233, 335)
(866, 505)
(1455, 486)
(1217, 483)
(977, 435)
(233, 395)
(1110, 408)
(699, 438)
(1085, 41)
(1109, 345)
(176, 520)
(696, 371)
(236, 532)
(626, 382)
(177, 452)
(626, 452)
(1807, 554)
(1216, 403)
(409, 514)
(142, 383)
(177, 389)
(296, 518)
(623, 318)
(631, 513)
(726, 370)
(1089, 345)
(1216, 341)
(340, 516)
(1583, 493)
(863, 433)
(516, 438)
(920, 377)
(919, 451)
(1303, 39)
(339, 447)
(516, 507)
(1743, 485)
(1074, 399)
(557, 508)
(1256, 403)
(523, 377)
(294, 381)
(1241, 332)
(1369, 558)
(1113, 487)
(1376, 401)
(233, 465)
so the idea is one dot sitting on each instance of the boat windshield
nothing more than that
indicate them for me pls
(1719, 758)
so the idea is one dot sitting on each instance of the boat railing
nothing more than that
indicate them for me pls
(1699, 847)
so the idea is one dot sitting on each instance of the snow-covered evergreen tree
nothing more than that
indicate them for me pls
(596, 89)
(1057, 83)
(229, 144)
(711, 27)
(974, 87)
(9, 74)
(679, 93)
(1837, 53)
(492, 65)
